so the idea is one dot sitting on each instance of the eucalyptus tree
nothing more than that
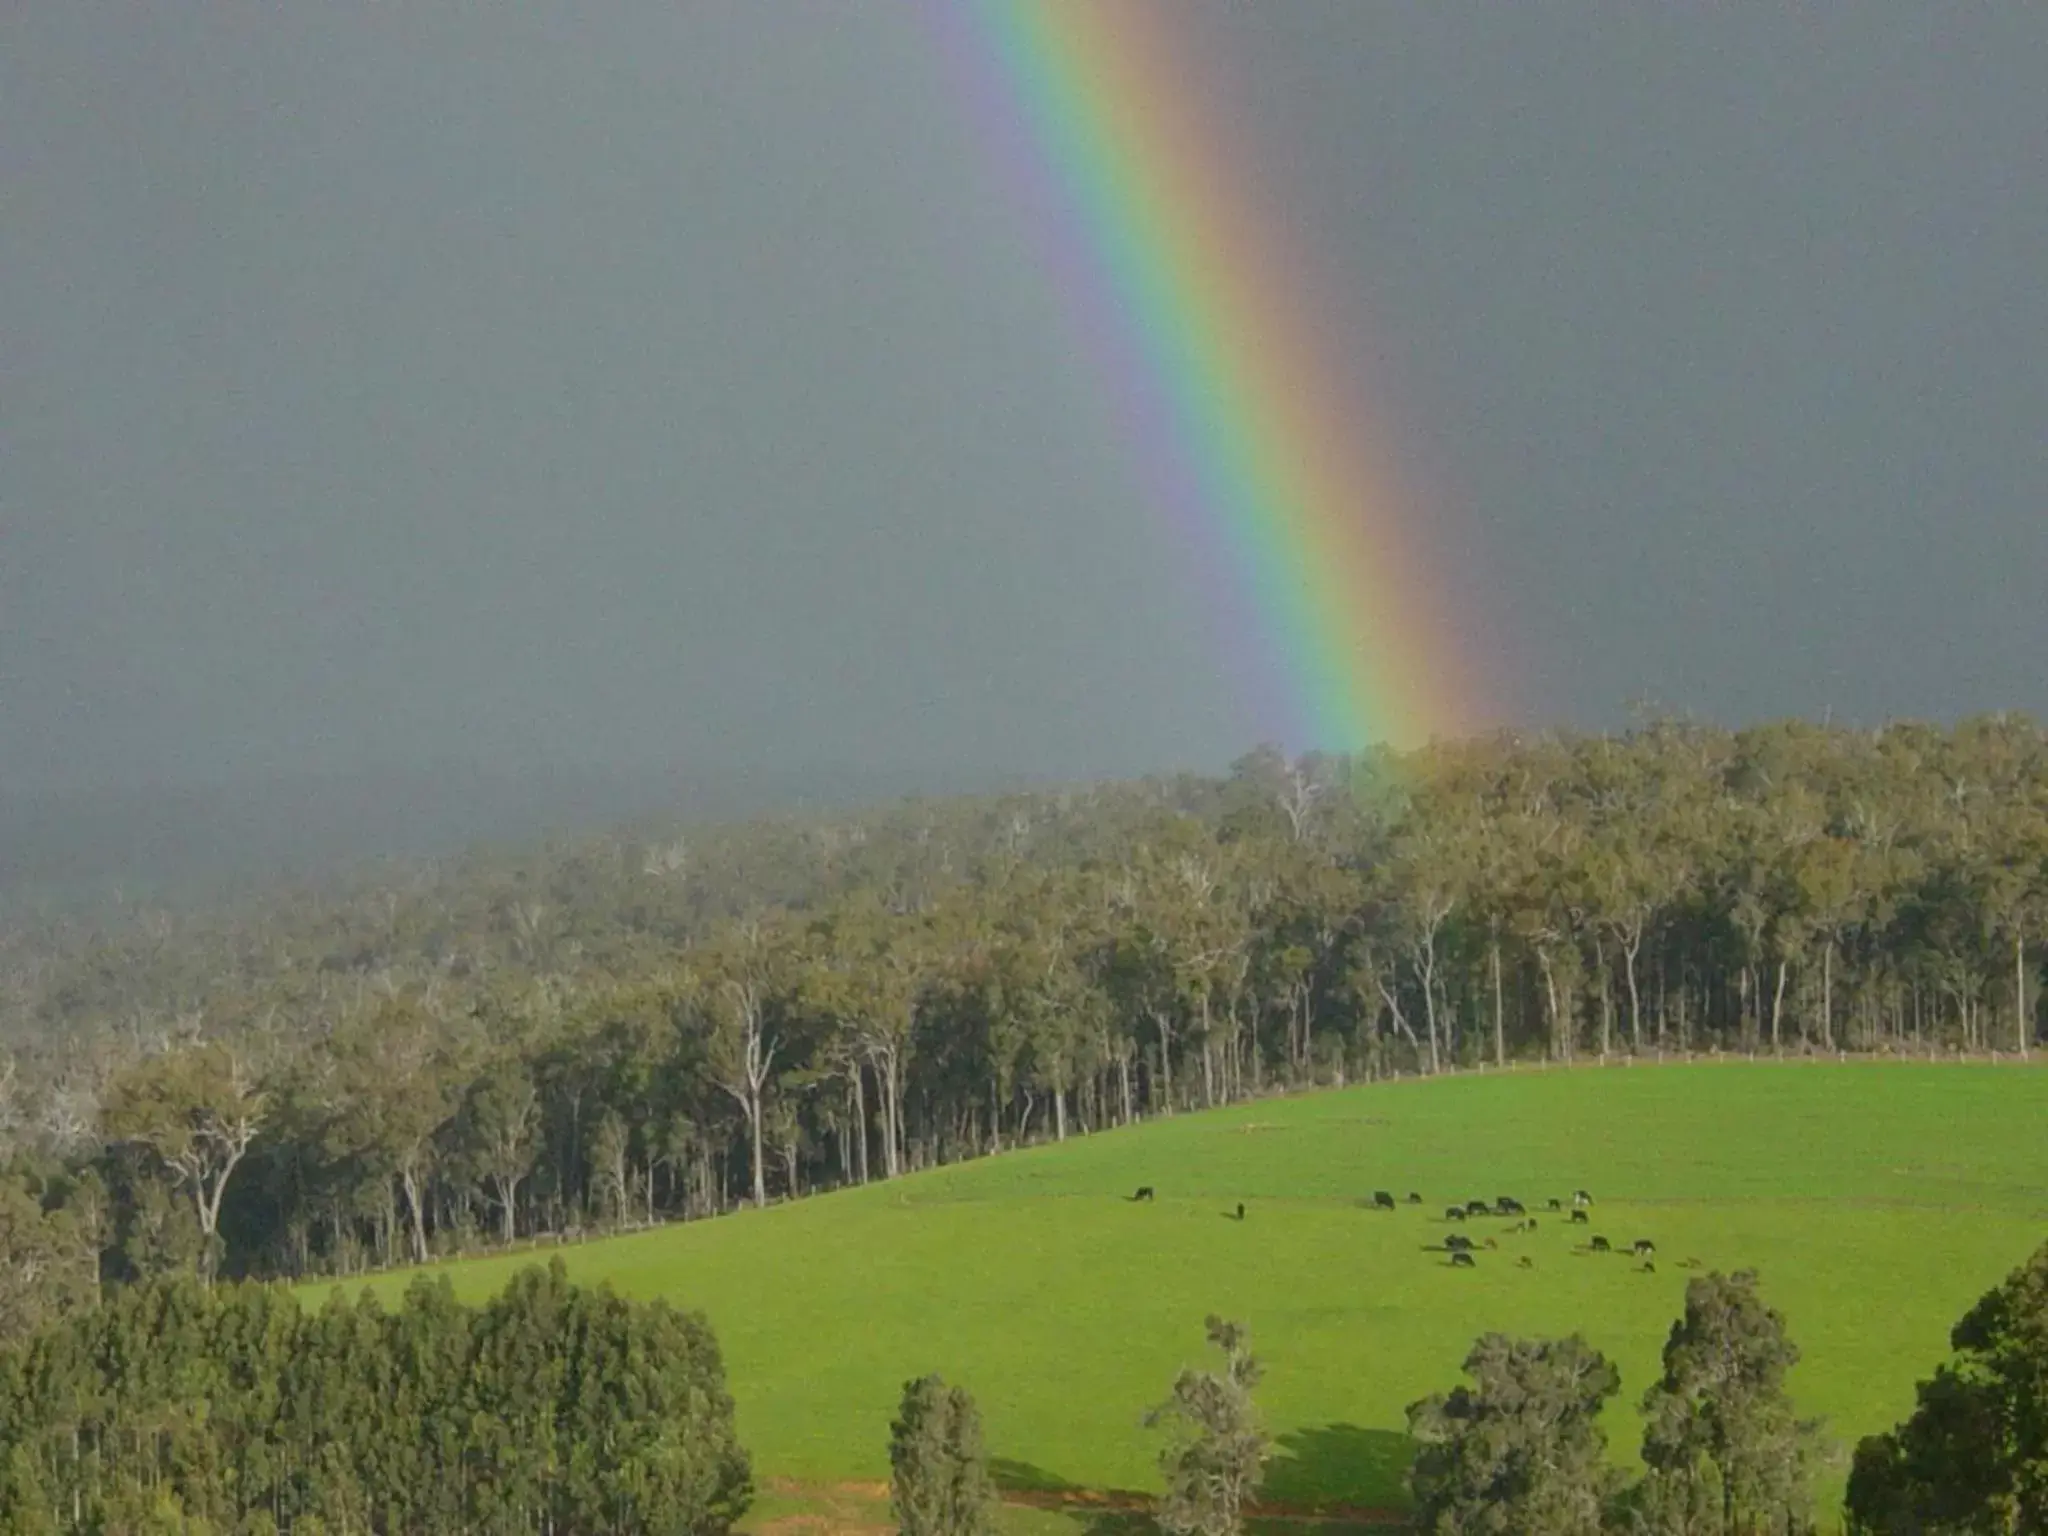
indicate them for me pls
(496, 1125)
(735, 981)
(1520, 1449)
(1720, 1437)
(196, 1111)
(1216, 1447)
(395, 1091)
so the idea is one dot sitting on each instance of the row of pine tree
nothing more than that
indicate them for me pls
(552, 1409)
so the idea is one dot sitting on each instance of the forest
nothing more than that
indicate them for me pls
(178, 1407)
(660, 1024)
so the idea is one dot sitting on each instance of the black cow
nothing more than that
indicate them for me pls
(1454, 1213)
(1556, 1204)
(1463, 1260)
(1456, 1244)
(1600, 1245)
(1240, 1210)
(1382, 1201)
(1508, 1205)
(1478, 1208)
(1649, 1268)
(1145, 1193)
(1414, 1198)
(1580, 1197)
(1644, 1248)
(1525, 1262)
(1580, 1218)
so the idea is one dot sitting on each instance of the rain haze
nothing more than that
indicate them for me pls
(606, 399)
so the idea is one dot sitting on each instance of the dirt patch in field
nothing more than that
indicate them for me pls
(844, 1509)
(1138, 1504)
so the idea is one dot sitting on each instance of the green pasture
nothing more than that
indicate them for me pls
(1877, 1200)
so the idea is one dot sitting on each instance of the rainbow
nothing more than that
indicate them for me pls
(1253, 447)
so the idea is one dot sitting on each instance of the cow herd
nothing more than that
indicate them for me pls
(1464, 1251)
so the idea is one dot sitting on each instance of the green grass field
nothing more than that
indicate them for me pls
(1877, 1201)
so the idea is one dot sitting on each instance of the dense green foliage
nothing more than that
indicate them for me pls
(939, 1482)
(1727, 1456)
(1877, 1199)
(1520, 1451)
(637, 1028)
(233, 1409)
(1972, 1460)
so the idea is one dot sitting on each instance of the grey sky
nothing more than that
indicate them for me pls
(661, 384)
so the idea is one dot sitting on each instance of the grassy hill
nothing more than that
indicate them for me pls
(1877, 1200)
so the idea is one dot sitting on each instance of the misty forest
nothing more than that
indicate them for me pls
(426, 1059)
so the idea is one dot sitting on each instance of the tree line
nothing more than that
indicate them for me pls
(665, 1023)
(551, 1409)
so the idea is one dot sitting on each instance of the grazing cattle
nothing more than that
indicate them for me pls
(1382, 1201)
(1580, 1197)
(1454, 1213)
(1463, 1260)
(1492, 1243)
(1649, 1268)
(1240, 1210)
(1525, 1262)
(1600, 1245)
(1556, 1204)
(1688, 1263)
(1457, 1244)
(1478, 1208)
(1643, 1247)
(1508, 1205)
(1580, 1218)
(1144, 1193)
(1414, 1198)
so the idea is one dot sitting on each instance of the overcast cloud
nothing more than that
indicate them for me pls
(660, 384)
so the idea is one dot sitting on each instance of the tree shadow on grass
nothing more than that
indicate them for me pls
(1094, 1511)
(1333, 1466)
(1012, 1476)
(1320, 1481)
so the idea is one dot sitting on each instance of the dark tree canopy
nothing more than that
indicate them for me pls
(1973, 1458)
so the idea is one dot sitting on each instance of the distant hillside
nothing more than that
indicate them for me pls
(192, 839)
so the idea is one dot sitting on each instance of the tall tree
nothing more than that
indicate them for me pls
(397, 1089)
(736, 982)
(196, 1110)
(499, 1119)
(1720, 1437)
(1520, 1451)
(1216, 1450)
(939, 1481)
